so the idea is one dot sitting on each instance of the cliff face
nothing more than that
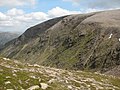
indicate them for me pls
(81, 42)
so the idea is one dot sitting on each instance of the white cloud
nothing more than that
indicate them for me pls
(91, 10)
(57, 11)
(17, 20)
(39, 16)
(6, 24)
(11, 3)
(3, 17)
(14, 12)
(23, 18)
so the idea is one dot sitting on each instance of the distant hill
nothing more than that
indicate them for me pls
(80, 42)
(7, 36)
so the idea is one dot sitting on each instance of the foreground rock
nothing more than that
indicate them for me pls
(35, 77)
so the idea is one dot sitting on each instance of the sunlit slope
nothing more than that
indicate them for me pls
(80, 42)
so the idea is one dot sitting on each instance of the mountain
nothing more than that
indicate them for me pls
(18, 76)
(7, 36)
(89, 42)
(115, 71)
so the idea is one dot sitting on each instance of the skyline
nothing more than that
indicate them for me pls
(18, 15)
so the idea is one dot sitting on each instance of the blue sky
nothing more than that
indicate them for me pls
(18, 15)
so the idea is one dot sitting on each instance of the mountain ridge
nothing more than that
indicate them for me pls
(79, 42)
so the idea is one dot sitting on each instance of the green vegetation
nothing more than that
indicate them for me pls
(77, 42)
(17, 76)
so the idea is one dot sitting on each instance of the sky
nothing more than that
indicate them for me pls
(18, 15)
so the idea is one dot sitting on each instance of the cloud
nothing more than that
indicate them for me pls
(12, 3)
(104, 4)
(57, 11)
(91, 10)
(39, 16)
(3, 17)
(18, 20)
(75, 2)
(14, 12)
(32, 17)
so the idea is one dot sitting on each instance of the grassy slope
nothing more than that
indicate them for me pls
(17, 76)
(74, 42)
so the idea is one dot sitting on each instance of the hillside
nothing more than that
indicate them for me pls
(6, 36)
(80, 42)
(17, 76)
(115, 71)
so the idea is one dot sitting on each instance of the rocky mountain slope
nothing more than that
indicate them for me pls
(6, 36)
(18, 76)
(115, 71)
(81, 42)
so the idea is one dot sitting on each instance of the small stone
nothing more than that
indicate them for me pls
(14, 75)
(6, 58)
(51, 81)
(44, 85)
(110, 36)
(119, 39)
(20, 81)
(36, 65)
(70, 87)
(33, 87)
(8, 82)
(40, 80)
(8, 77)
(33, 77)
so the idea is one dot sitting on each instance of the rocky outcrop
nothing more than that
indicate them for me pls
(114, 72)
(80, 42)
(18, 76)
